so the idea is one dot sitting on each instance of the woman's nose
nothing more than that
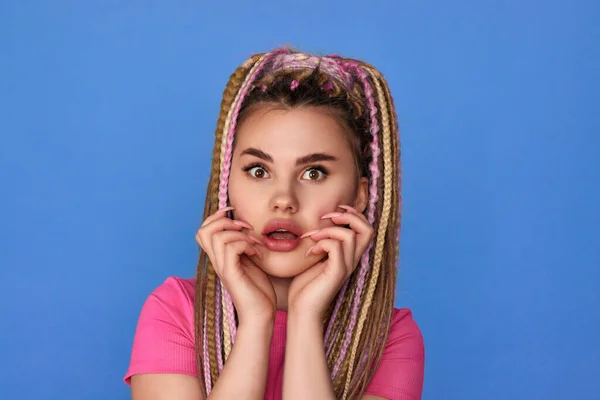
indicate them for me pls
(284, 200)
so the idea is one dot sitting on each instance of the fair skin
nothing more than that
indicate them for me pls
(271, 178)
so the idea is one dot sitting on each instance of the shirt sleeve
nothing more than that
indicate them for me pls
(400, 373)
(164, 337)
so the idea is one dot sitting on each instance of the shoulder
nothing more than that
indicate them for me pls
(176, 287)
(400, 372)
(405, 332)
(175, 290)
(405, 340)
(173, 300)
(175, 296)
(164, 336)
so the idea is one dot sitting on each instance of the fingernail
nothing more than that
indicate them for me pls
(345, 207)
(309, 250)
(257, 252)
(310, 233)
(256, 240)
(226, 209)
(332, 215)
(243, 224)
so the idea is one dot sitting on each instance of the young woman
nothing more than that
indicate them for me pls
(294, 294)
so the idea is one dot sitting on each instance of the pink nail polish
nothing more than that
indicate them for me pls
(243, 224)
(256, 240)
(345, 207)
(308, 252)
(310, 233)
(226, 209)
(332, 215)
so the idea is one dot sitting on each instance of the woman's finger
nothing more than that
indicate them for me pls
(359, 224)
(203, 242)
(354, 211)
(224, 223)
(205, 233)
(335, 252)
(218, 214)
(220, 240)
(231, 270)
(345, 236)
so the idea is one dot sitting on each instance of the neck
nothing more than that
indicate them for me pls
(281, 286)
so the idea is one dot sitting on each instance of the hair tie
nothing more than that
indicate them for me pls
(294, 85)
(327, 86)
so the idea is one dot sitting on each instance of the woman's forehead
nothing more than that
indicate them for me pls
(291, 132)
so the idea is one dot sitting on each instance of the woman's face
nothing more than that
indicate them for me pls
(291, 166)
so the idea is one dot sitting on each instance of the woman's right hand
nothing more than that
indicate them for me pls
(229, 250)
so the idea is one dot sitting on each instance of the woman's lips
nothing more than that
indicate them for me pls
(281, 234)
(281, 244)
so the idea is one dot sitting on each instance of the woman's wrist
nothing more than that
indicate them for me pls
(261, 327)
(306, 375)
(304, 317)
(250, 352)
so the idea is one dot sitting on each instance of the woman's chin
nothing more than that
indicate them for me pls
(284, 264)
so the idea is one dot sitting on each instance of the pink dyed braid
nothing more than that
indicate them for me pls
(224, 179)
(328, 65)
(218, 323)
(206, 360)
(335, 69)
(374, 168)
(343, 67)
(373, 201)
(334, 314)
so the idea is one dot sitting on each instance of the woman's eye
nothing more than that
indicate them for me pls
(313, 174)
(258, 172)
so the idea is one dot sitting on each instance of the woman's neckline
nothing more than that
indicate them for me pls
(280, 317)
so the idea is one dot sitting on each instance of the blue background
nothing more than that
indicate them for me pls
(107, 114)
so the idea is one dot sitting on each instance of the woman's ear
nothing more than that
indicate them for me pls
(362, 197)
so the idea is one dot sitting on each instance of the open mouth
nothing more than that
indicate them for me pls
(281, 240)
(282, 234)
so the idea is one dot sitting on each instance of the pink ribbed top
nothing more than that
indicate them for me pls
(164, 343)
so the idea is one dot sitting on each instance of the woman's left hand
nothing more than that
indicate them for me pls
(339, 250)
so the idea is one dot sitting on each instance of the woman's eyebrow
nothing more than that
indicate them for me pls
(308, 159)
(315, 157)
(258, 154)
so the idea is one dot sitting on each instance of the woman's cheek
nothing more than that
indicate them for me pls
(328, 204)
(243, 198)
(242, 210)
(329, 207)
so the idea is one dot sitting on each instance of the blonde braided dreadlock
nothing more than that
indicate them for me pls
(357, 323)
